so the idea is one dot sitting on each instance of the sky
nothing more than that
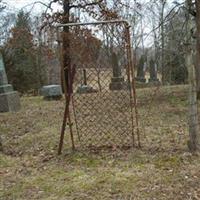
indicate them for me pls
(18, 4)
(15, 5)
(27, 5)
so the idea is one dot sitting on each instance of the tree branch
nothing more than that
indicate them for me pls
(80, 5)
(48, 6)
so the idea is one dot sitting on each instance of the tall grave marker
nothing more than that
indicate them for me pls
(117, 81)
(153, 72)
(141, 70)
(9, 99)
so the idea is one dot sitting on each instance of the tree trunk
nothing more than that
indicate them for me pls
(197, 65)
(163, 43)
(194, 142)
(66, 47)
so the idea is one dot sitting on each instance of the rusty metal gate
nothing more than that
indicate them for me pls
(101, 107)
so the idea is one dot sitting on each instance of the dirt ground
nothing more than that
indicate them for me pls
(162, 169)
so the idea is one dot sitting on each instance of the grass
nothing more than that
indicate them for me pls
(162, 169)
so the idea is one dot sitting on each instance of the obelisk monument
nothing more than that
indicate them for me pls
(9, 99)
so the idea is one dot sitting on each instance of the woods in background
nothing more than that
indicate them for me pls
(26, 47)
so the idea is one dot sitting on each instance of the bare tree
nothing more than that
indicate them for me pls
(197, 65)
(2, 7)
(194, 10)
(194, 142)
(163, 4)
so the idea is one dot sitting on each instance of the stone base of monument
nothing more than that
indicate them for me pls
(154, 80)
(6, 88)
(9, 102)
(140, 79)
(141, 84)
(84, 89)
(51, 92)
(118, 83)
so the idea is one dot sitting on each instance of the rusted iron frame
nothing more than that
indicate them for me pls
(67, 103)
(65, 112)
(93, 23)
(68, 97)
(131, 68)
(75, 119)
(130, 82)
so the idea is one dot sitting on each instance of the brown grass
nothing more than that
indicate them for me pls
(162, 169)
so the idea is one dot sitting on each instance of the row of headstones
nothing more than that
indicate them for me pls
(117, 81)
(141, 71)
(52, 92)
(10, 101)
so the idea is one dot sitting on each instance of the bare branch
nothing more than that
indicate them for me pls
(48, 6)
(85, 4)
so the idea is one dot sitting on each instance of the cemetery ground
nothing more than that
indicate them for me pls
(163, 169)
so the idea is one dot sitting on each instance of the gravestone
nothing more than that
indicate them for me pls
(53, 71)
(117, 81)
(9, 99)
(51, 92)
(84, 87)
(153, 72)
(141, 70)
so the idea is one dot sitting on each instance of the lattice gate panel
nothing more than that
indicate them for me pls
(104, 118)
